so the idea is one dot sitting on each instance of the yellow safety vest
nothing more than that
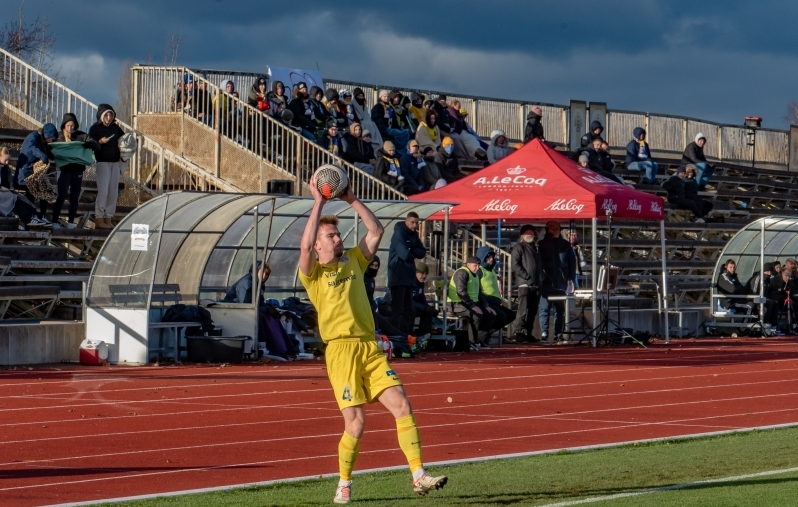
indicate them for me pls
(472, 288)
(489, 283)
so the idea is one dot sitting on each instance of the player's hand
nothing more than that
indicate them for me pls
(314, 191)
(491, 311)
(348, 196)
(478, 310)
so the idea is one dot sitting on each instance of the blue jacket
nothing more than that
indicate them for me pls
(411, 172)
(634, 149)
(406, 247)
(33, 149)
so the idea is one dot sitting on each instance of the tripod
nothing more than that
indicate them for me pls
(601, 333)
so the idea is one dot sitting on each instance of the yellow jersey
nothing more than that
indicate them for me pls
(339, 294)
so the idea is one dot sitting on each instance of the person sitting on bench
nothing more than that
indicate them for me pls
(677, 197)
(779, 292)
(424, 311)
(382, 324)
(489, 284)
(729, 284)
(466, 300)
(241, 291)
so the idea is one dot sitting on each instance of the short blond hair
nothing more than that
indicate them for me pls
(328, 220)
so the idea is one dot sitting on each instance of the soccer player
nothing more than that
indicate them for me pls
(356, 366)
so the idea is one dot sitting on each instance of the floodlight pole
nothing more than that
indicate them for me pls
(594, 275)
(664, 281)
(445, 288)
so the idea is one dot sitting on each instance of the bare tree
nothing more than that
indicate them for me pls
(124, 101)
(171, 50)
(32, 42)
(792, 113)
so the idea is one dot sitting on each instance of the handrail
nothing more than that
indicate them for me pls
(38, 98)
(470, 243)
(166, 90)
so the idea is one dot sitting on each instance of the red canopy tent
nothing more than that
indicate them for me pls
(537, 182)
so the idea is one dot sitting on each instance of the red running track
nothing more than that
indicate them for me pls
(77, 434)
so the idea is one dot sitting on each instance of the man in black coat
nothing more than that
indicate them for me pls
(406, 247)
(534, 126)
(675, 187)
(694, 154)
(424, 311)
(595, 133)
(559, 270)
(526, 265)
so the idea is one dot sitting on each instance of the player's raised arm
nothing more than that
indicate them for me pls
(307, 257)
(371, 241)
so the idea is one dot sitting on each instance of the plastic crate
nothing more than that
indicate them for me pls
(216, 349)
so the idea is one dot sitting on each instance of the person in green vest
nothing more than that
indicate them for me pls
(465, 299)
(489, 283)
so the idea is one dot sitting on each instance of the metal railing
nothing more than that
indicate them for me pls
(31, 98)
(464, 244)
(239, 130)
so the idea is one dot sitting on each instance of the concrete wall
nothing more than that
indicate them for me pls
(39, 343)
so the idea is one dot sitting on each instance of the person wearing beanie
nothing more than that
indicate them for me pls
(465, 299)
(558, 267)
(71, 177)
(447, 162)
(109, 166)
(411, 165)
(694, 154)
(388, 169)
(638, 156)
(416, 107)
(499, 147)
(358, 151)
(489, 283)
(385, 118)
(35, 148)
(526, 266)
(423, 310)
(534, 125)
(406, 247)
(428, 133)
(361, 111)
(332, 140)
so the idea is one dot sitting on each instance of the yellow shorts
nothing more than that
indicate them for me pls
(358, 371)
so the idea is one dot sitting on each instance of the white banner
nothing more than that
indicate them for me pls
(290, 77)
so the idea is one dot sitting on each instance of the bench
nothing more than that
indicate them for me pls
(49, 294)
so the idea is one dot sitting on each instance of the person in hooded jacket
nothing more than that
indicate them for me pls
(499, 147)
(596, 128)
(277, 98)
(403, 116)
(428, 134)
(109, 166)
(35, 148)
(430, 172)
(304, 112)
(694, 154)
(258, 95)
(534, 125)
(332, 139)
(416, 107)
(388, 168)
(360, 110)
(466, 300)
(317, 103)
(71, 177)
(447, 162)
(406, 247)
(336, 109)
(559, 270)
(489, 285)
(411, 163)
(691, 189)
(357, 151)
(638, 156)
(423, 310)
(441, 107)
(526, 266)
(384, 116)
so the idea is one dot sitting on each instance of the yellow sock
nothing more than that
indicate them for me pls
(409, 441)
(348, 449)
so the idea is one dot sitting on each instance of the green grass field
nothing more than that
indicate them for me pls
(565, 477)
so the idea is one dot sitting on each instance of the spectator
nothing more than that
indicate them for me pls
(184, 95)
(534, 125)
(109, 166)
(358, 150)
(730, 285)
(359, 107)
(579, 257)
(5, 169)
(388, 169)
(780, 292)
(403, 116)
(336, 109)
(499, 147)
(384, 116)
(259, 96)
(466, 300)
(677, 197)
(526, 266)
(447, 162)
(203, 104)
(35, 148)
(10, 201)
(416, 107)
(405, 248)
(332, 140)
(347, 107)
(414, 183)
(428, 133)
(442, 108)
(595, 133)
(382, 324)
(319, 109)
(590, 158)
(71, 177)
(304, 112)
(466, 145)
(277, 98)
(759, 283)
(225, 106)
(638, 156)
(559, 270)
(607, 164)
(691, 191)
(776, 268)
(423, 310)
(430, 171)
(694, 154)
(489, 286)
(241, 291)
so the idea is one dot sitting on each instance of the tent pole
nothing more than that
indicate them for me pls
(593, 275)
(762, 272)
(255, 277)
(484, 231)
(499, 238)
(445, 291)
(664, 260)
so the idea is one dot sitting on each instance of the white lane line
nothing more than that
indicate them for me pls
(375, 470)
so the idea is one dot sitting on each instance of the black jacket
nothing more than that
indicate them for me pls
(447, 165)
(690, 189)
(587, 139)
(460, 278)
(675, 188)
(357, 150)
(108, 152)
(419, 299)
(309, 122)
(559, 265)
(693, 154)
(729, 284)
(383, 167)
(77, 135)
(406, 247)
(534, 128)
(378, 116)
(371, 284)
(444, 121)
(526, 264)
(777, 289)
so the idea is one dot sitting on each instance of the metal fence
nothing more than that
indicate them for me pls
(195, 98)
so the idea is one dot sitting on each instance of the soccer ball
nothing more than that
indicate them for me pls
(331, 181)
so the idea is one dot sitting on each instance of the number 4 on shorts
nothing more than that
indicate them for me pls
(347, 396)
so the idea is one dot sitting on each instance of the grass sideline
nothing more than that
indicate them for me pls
(563, 477)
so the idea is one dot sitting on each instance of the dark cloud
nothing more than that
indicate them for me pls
(715, 60)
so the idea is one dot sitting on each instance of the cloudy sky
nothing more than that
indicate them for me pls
(718, 60)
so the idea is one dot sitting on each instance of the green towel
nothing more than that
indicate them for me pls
(72, 152)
